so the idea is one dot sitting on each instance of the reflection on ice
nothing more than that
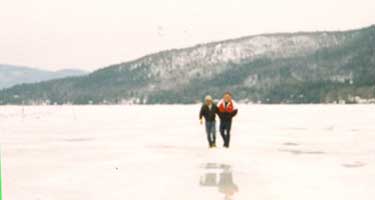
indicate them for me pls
(220, 176)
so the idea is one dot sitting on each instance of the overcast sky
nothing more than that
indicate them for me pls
(89, 34)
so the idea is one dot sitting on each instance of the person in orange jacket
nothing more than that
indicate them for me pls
(227, 109)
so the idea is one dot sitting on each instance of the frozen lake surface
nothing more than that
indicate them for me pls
(160, 152)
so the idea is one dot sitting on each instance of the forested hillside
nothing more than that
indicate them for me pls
(316, 67)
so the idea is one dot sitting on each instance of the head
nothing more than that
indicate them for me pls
(227, 96)
(208, 100)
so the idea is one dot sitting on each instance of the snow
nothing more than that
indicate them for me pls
(175, 64)
(278, 152)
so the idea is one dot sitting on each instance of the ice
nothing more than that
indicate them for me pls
(278, 152)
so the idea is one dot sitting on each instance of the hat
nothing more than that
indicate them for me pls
(208, 98)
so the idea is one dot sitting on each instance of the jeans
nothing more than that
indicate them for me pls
(225, 127)
(211, 132)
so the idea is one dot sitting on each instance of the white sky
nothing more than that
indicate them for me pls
(89, 34)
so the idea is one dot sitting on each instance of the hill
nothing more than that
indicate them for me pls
(305, 67)
(11, 75)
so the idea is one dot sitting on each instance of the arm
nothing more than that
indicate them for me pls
(217, 111)
(201, 113)
(235, 109)
(234, 113)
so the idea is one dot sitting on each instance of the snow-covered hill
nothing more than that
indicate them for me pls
(313, 67)
(205, 59)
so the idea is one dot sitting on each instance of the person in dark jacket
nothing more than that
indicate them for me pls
(227, 109)
(208, 112)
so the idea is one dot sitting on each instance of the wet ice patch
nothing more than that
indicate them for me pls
(290, 144)
(78, 139)
(299, 152)
(354, 164)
